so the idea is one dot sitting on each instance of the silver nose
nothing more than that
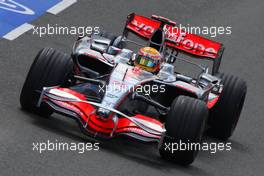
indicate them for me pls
(104, 113)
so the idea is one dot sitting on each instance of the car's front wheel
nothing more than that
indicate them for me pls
(50, 68)
(184, 125)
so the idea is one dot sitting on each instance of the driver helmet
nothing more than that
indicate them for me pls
(149, 59)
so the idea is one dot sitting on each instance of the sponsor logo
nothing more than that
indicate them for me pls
(147, 30)
(178, 37)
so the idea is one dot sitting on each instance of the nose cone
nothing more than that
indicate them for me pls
(104, 113)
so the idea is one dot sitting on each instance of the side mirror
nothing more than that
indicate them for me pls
(113, 50)
(100, 44)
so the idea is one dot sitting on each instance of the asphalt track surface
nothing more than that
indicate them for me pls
(243, 56)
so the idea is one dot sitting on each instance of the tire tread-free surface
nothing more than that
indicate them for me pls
(224, 116)
(50, 68)
(184, 123)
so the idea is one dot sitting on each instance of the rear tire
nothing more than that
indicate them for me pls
(185, 123)
(225, 114)
(50, 68)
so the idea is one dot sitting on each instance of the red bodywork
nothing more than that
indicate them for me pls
(93, 123)
(175, 37)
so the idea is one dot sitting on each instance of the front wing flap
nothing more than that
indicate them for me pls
(74, 104)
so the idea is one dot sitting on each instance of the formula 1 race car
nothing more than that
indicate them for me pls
(112, 91)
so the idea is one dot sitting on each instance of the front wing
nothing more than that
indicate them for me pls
(70, 103)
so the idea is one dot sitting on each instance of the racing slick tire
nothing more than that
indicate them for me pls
(50, 68)
(224, 116)
(184, 126)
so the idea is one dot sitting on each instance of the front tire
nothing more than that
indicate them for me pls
(50, 68)
(185, 123)
(225, 114)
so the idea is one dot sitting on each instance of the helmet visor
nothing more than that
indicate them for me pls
(146, 61)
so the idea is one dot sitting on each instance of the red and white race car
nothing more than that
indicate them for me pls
(102, 88)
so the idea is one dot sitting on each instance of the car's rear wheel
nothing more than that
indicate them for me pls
(225, 114)
(184, 125)
(50, 68)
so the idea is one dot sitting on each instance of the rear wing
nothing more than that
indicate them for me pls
(176, 38)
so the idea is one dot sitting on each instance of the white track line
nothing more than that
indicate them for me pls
(18, 31)
(61, 6)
